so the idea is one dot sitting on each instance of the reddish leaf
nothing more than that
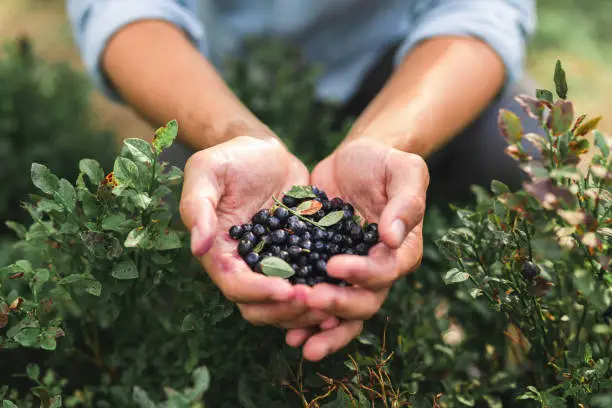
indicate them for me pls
(532, 106)
(560, 118)
(579, 121)
(16, 275)
(309, 207)
(16, 303)
(516, 153)
(510, 125)
(4, 312)
(586, 128)
(549, 195)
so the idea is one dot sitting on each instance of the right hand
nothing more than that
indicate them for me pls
(225, 185)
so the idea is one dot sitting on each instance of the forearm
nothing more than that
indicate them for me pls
(440, 87)
(157, 70)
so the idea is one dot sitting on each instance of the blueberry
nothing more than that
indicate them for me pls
(251, 259)
(337, 239)
(259, 229)
(314, 256)
(267, 239)
(333, 249)
(319, 235)
(302, 272)
(295, 267)
(244, 247)
(319, 214)
(265, 254)
(324, 256)
(302, 260)
(321, 266)
(316, 190)
(336, 203)
(300, 281)
(275, 250)
(530, 270)
(361, 249)
(292, 218)
(279, 236)
(370, 238)
(290, 201)
(349, 251)
(260, 217)
(249, 236)
(356, 233)
(319, 246)
(247, 228)
(372, 227)
(257, 268)
(330, 235)
(349, 242)
(281, 213)
(298, 227)
(311, 281)
(293, 240)
(306, 245)
(306, 236)
(326, 205)
(347, 226)
(273, 223)
(236, 231)
(294, 250)
(348, 209)
(284, 255)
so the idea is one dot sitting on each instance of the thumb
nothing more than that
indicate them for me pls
(198, 204)
(408, 179)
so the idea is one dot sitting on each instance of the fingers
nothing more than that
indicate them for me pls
(351, 303)
(297, 337)
(288, 315)
(199, 198)
(408, 179)
(322, 344)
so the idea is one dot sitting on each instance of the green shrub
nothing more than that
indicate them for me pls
(45, 117)
(107, 308)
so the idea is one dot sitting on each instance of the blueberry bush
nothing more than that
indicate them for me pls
(45, 117)
(103, 305)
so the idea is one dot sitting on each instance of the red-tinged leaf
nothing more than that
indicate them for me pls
(515, 152)
(578, 122)
(16, 303)
(538, 141)
(16, 275)
(4, 314)
(532, 106)
(579, 146)
(510, 126)
(548, 195)
(309, 207)
(560, 118)
(587, 127)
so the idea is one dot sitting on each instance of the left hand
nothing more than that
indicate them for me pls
(386, 186)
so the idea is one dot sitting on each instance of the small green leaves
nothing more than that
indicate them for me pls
(28, 337)
(331, 218)
(301, 192)
(455, 276)
(309, 207)
(140, 150)
(164, 136)
(259, 247)
(66, 195)
(125, 171)
(510, 126)
(135, 237)
(92, 169)
(499, 188)
(125, 270)
(601, 144)
(560, 81)
(544, 95)
(561, 118)
(8, 404)
(274, 266)
(43, 179)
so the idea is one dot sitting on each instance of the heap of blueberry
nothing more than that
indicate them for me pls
(296, 237)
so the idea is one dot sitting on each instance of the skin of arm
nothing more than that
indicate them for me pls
(437, 90)
(184, 85)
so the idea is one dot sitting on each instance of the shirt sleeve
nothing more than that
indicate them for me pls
(94, 22)
(505, 25)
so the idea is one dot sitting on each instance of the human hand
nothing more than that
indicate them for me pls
(386, 186)
(224, 186)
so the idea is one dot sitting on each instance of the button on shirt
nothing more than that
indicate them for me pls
(345, 36)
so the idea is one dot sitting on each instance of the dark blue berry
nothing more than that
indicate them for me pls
(290, 201)
(298, 227)
(247, 228)
(302, 272)
(321, 266)
(348, 209)
(267, 239)
(294, 250)
(319, 246)
(244, 247)
(319, 214)
(311, 281)
(281, 213)
(370, 238)
(372, 227)
(260, 217)
(316, 190)
(314, 256)
(284, 255)
(336, 203)
(275, 250)
(293, 240)
(324, 256)
(266, 254)
(319, 235)
(333, 249)
(306, 245)
(300, 281)
(306, 236)
(273, 223)
(361, 249)
(530, 270)
(249, 236)
(292, 218)
(279, 236)
(235, 231)
(251, 259)
(302, 260)
(337, 239)
(259, 229)
(326, 205)
(295, 267)
(356, 233)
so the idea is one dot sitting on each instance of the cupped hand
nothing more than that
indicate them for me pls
(224, 186)
(388, 187)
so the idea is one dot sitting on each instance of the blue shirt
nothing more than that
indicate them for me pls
(346, 36)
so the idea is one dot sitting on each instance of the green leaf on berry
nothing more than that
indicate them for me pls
(331, 218)
(309, 207)
(274, 266)
(300, 192)
(259, 247)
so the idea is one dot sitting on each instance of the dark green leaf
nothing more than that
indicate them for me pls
(125, 270)
(331, 219)
(135, 237)
(273, 266)
(601, 144)
(142, 399)
(93, 287)
(164, 136)
(560, 81)
(19, 229)
(48, 343)
(301, 192)
(167, 239)
(8, 404)
(92, 169)
(33, 371)
(260, 246)
(455, 276)
(42, 178)
(125, 171)
(66, 195)
(544, 95)
(499, 188)
(510, 126)
(28, 337)
(140, 150)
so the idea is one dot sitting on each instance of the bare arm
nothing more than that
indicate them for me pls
(439, 88)
(163, 76)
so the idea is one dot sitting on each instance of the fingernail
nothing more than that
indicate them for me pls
(398, 229)
(196, 241)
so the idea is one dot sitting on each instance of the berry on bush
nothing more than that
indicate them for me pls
(297, 236)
